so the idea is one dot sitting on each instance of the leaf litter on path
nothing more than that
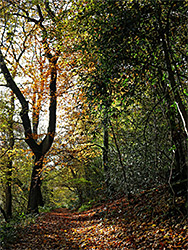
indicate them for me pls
(145, 222)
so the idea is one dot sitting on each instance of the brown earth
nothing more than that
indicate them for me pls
(145, 222)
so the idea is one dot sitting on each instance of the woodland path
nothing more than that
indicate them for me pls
(63, 229)
(146, 222)
(49, 232)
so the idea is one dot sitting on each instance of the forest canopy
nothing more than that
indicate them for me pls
(93, 101)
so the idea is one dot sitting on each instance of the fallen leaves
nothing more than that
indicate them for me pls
(143, 223)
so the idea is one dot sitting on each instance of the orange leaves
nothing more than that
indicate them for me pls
(117, 224)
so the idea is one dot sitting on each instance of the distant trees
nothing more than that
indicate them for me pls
(7, 145)
(13, 176)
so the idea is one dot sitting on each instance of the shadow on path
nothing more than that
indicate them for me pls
(48, 232)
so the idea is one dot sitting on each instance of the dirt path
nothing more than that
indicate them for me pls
(49, 232)
(118, 225)
(62, 229)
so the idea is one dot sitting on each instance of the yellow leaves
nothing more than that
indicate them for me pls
(91, 67)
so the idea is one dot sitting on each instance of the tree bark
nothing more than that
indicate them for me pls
(39, 150)
(179, 135)
(179, 174)
(179, 138)
(4, 214)
(106, 148)
(35, 194)
(126, 187)
(8, 189)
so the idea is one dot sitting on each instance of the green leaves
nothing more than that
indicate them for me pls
(185, 92)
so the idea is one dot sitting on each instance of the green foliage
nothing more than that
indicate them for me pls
(129, 59)
(9, 230)
(7, 234)
(126, 71)
(14, 157)
(85, 207)
(150, 219)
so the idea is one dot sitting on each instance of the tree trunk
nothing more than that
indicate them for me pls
(126, 187)
(4, 214)
(39, 149)
(105, 149)
(179, 140)
(179, 135)
(179, 175)
(35, 195)
(8, 189)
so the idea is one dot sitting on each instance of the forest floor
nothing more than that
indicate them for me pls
(147, 221)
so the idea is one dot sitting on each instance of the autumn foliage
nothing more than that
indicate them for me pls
(144, 222)
(93, 118)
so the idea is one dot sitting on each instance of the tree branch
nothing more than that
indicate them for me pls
(25, 107)
(4, 214)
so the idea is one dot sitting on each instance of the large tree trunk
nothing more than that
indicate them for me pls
(39, 149)
(35, 195)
